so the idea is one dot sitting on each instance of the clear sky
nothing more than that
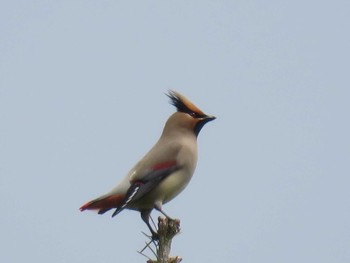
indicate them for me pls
(82, 99)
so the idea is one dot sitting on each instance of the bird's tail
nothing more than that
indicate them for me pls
(103, 203)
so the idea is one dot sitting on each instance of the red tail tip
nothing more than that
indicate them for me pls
(84, 207)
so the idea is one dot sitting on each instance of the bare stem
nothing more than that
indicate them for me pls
(167, 229)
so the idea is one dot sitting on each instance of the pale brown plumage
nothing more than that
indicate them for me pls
(164, 171)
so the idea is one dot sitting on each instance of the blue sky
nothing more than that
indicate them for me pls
(82, 88)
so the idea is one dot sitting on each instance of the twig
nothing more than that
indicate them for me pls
(167, 229)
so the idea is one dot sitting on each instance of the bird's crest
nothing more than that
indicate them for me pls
(182, 104)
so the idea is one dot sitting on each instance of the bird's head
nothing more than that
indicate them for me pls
(188, 115)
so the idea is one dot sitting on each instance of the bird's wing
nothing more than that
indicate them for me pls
(148, 181)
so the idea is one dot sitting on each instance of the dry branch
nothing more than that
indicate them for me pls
(167, 229)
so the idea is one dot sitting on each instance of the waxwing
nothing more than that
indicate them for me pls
(164, 171)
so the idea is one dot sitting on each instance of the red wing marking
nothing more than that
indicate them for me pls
(164, 165)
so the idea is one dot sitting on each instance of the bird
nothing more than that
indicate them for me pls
(164, 171)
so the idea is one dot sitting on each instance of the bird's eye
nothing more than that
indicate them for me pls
(193, 114)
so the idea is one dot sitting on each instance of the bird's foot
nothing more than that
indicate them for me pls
(154, 236)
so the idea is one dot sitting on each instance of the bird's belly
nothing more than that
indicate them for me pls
(169, 188)
(172, 186)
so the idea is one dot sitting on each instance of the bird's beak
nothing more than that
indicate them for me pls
(208, 118)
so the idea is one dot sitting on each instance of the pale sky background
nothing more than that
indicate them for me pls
(82, 99)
